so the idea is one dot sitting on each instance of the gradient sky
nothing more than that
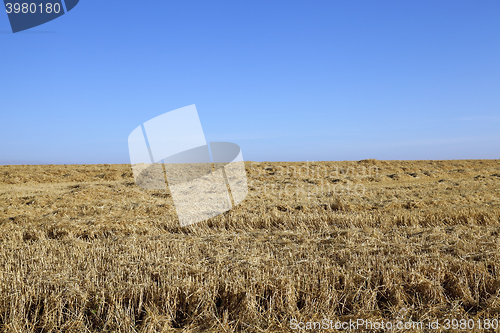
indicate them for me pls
(285, 80)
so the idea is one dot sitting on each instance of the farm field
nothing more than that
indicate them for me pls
(83, 249)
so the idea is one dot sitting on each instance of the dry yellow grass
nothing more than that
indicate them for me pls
(83, 249)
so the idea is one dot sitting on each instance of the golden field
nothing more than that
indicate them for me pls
(83, 249)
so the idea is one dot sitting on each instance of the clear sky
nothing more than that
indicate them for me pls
(286, 80)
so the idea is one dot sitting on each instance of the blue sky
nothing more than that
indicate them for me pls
(285, 80)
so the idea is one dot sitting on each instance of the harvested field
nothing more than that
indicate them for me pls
(83, 249)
